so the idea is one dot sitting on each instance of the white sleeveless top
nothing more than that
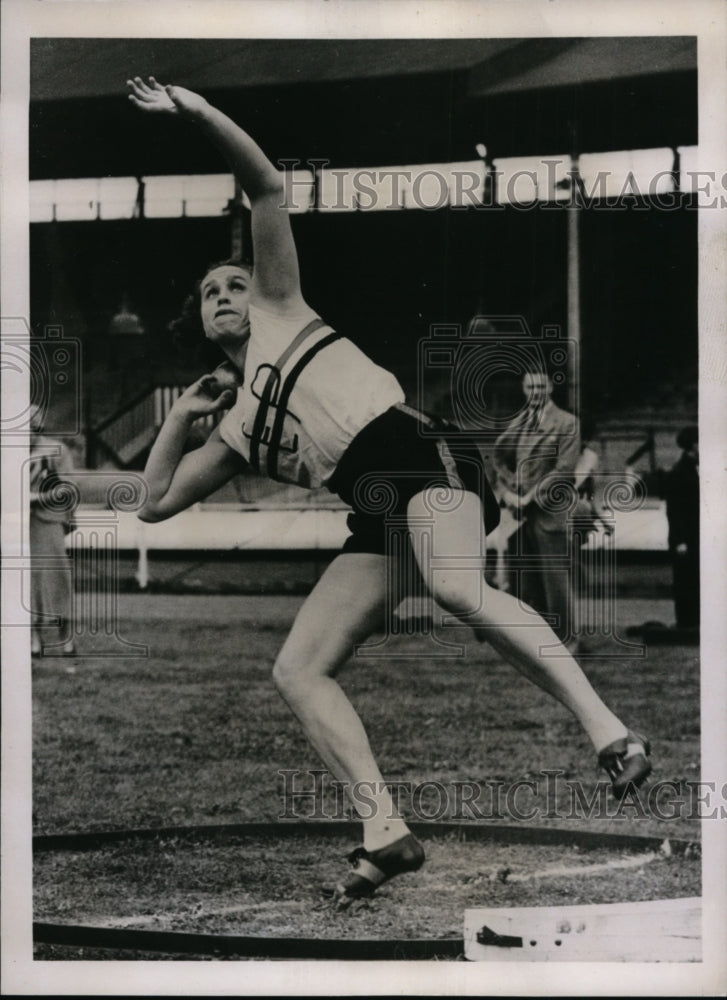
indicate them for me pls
(321, 397)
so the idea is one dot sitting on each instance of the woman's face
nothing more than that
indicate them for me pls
(225, 295)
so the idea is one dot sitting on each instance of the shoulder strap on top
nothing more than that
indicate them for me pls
(271, 385)
(291, 379)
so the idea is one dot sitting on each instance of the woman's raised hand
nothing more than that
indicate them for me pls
(155, 98)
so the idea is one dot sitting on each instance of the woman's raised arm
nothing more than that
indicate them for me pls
(276, 279)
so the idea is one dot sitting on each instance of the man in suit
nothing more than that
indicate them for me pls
(542, 441)
(682, 511)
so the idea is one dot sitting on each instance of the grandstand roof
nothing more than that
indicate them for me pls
(362, 102)
(93, 67)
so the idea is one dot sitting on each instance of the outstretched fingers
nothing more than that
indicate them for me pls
(151, 96)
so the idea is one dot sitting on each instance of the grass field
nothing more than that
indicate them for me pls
(195, 734)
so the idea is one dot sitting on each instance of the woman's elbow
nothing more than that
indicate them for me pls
(151, 514)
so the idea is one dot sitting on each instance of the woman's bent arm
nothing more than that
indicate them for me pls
(174, 487)
(175, 480)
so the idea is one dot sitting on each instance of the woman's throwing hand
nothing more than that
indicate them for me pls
(158, 99)
(204, 397)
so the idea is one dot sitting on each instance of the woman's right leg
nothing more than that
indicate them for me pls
(346, 606)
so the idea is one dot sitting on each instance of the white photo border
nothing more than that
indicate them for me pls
(707, 19)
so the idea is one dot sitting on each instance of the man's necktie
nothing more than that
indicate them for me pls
(531, 422)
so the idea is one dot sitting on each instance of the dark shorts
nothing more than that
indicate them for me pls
(399, 454)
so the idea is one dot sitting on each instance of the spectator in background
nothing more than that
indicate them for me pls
(542, 440)
(682, 511)
(50, 576)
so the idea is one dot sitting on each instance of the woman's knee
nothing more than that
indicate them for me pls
(287, 673)
(460, 594)
(295, 674)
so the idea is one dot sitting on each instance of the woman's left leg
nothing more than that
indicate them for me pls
(514, 631)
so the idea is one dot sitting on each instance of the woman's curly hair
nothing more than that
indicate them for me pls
(187, 330)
